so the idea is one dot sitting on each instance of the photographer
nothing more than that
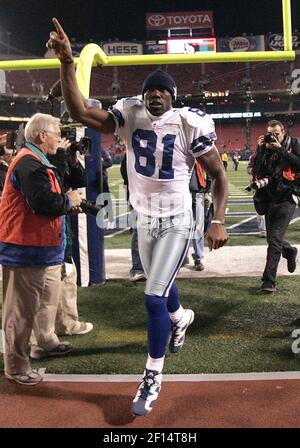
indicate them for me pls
(261, 221)
(72, 175)
(136, 272)
(32, 247)
(6, 156)
(275, 167)
(106, 162)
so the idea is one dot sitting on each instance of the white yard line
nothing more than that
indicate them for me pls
(241, 222)
(252, 376)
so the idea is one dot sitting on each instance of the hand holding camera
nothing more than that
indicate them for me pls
(6, 153)
(208, 199)
(261, 140)
(258, 184)
(269, 140)
(64, 143)
(3, 140)
(65, 152)
(75, 197)
(80, 205)
(69, 146)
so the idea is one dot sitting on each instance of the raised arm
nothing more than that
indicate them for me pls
(94, 118)
(216, 235)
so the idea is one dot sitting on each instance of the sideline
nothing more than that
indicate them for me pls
(252, 376)
(228, 261)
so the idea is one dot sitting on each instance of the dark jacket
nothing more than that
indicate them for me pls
(72, 175)
(123, 171)
(274, 165)
(200, 182)
(106, 163)
(3, 172)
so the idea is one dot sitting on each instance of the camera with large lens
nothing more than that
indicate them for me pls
(78, 143)
(14, 140)
(269, 138)
(91, 208)
(258, 184)
(11, 138)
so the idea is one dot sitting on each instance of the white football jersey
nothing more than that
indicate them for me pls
(160, 154)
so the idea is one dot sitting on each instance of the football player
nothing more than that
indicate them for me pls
(162, 143)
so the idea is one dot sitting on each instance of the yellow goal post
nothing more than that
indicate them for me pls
(93, 55)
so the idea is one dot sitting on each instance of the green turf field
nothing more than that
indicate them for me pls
(116, 185)
(122, 241)
(236, 329)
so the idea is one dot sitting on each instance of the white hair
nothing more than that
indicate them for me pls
(38, 123)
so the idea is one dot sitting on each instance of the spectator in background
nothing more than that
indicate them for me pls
(32, 246)
(115, 87)
(224, 157)
(203, 214)
(136, 272)
(236, 160)
(107, 163)
(117, 149)
(275, 170)
(261, 221)
(72, 176)
(6, 156)
(200, 185)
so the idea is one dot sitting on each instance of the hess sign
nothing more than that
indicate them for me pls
(191, 46)
(116, 48)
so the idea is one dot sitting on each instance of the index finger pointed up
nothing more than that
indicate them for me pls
(59, 28)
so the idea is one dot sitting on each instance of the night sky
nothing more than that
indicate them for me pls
(29, 21)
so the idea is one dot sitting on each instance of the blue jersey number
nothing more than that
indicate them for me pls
(146, 165)
(197, 111)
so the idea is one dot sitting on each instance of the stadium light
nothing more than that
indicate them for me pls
(93, 55)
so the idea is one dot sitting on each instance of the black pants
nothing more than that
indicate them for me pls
(278, 216)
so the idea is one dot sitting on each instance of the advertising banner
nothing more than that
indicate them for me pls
(167, 20)
(117, 48)
(191, 46)
(242, 43)
(154, 48)
(275, 42)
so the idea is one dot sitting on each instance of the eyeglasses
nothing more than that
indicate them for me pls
(57, 134)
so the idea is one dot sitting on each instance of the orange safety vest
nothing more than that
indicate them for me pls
(18, 223)
(289, 174)
(200, 173)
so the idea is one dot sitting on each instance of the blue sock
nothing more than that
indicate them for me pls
(173, 302)
(158, 325)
